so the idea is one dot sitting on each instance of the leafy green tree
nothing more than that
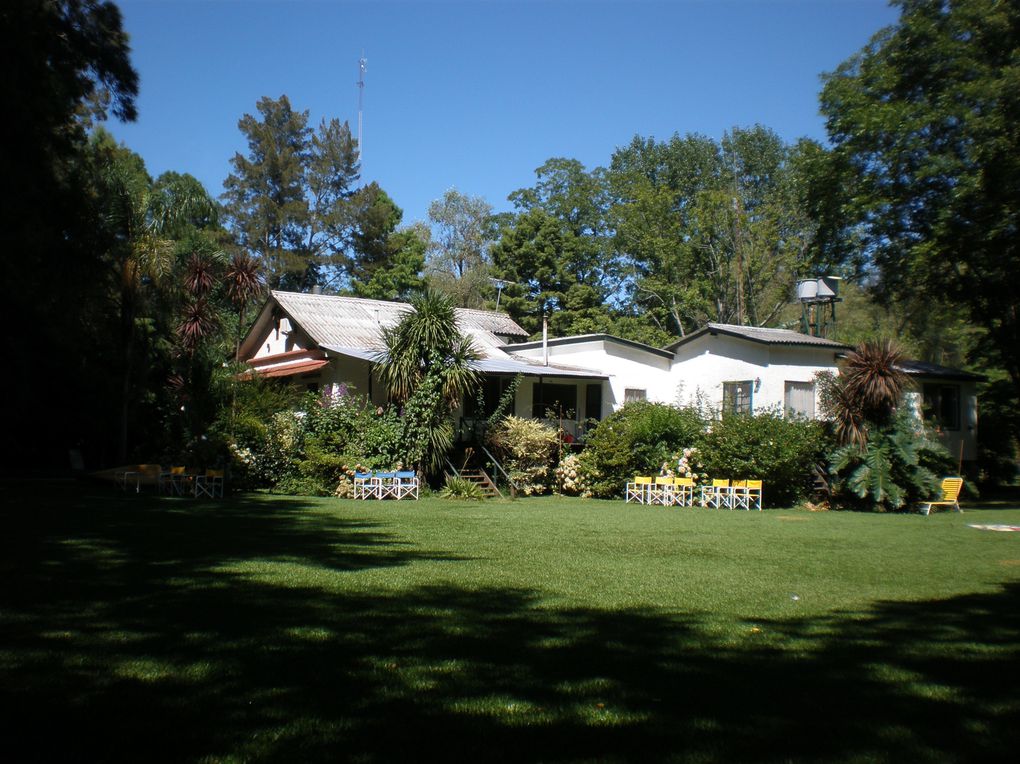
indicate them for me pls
(287, 198)
(458, 263)
(65, 63)
(146, 264)
(399, 276)
(384, 264)
(554, 252)
(710, 232)
(923, 124)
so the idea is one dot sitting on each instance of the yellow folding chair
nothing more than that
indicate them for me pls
(638, 489)
(739, 497)
(210, 484)
(661, 491)
(175, 481)
(951, 487)
(754, 492)
(684, 491)
(716, 495)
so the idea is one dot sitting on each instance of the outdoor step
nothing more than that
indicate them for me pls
(480, 479)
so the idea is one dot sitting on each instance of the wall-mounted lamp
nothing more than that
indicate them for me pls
(757, 384)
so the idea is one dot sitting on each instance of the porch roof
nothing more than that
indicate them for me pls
(492, 362)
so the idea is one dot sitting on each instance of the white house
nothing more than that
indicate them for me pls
(318, 340)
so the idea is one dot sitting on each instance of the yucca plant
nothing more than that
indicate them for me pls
(459, 488)
(867, 392)
(244, 284)
(427, 340)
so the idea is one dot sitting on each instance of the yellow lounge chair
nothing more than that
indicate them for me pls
(951, 487)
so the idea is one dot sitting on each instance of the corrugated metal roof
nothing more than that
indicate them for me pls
(513, 364)
(578, 339)
(925, 369)
(354, 322)
(493, 361)
(762, 335)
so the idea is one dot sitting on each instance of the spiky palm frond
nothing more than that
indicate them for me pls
(198, 323)
(244, 279)
(461, 378)
(199, 275)
(874, 379)
(427, 338)
(844, 410)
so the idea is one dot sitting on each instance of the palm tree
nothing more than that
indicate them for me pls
(143, 220)
(867, 392)
(244, 284)
(427, 341)
(874, 379)
(427, 366)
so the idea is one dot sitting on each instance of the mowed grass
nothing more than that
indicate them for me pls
(267, 628)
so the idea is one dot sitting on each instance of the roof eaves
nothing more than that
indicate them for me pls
(581, 338)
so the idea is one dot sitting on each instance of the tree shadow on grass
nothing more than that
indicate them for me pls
(155, 651)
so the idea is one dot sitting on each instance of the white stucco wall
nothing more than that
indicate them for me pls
(701, 366)
(280, 340)
(625, 366)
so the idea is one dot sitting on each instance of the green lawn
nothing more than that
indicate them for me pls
(266, 628)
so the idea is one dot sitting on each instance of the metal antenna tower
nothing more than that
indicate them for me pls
(362, 64)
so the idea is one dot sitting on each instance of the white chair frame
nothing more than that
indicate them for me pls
(210, 485)
(639, 491)
(362, 484)
(406, 483)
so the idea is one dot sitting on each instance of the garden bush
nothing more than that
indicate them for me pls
(343, 431)
(765, 446)
(526, 447)
(570, 476)
(637, 439)
(899, 466)
(315, 450)
(459, 488)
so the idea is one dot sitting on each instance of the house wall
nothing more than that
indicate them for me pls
(281, 339)
(701, 366)
(525, 400)
(355, 374)
(626, 367)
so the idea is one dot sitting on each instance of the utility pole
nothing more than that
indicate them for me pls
(362, 64)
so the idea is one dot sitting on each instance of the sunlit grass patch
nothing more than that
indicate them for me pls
(550, 629)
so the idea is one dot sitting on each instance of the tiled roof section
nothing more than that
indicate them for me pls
(762, 335)
(357, 322)
(925, 369)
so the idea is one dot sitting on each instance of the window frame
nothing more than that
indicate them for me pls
(634, 394)
(788, 411)
(933, 407)
(730, 400)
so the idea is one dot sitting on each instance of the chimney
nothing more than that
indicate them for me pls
(545, 340)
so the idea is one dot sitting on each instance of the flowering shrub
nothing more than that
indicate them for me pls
(311, 451)
(570, 476)
(526, 448)
(765, 446)
(636, 440)
(685, 463)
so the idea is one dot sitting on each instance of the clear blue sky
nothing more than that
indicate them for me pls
(476, 95)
